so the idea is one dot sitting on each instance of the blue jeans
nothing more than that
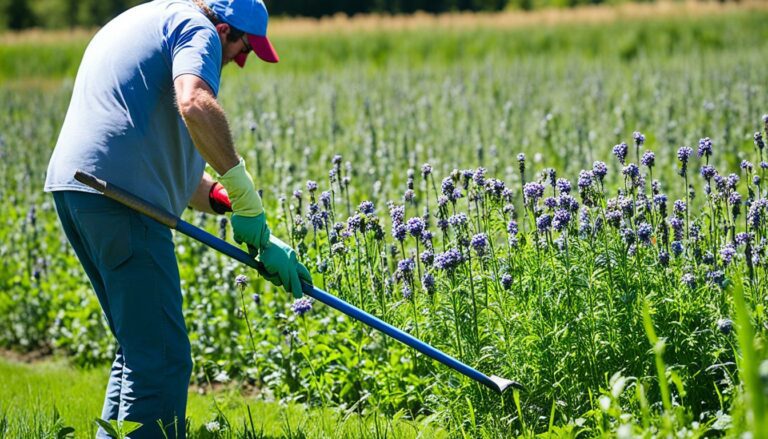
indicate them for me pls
(131, 264)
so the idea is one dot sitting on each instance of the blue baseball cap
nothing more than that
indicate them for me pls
(249, 16)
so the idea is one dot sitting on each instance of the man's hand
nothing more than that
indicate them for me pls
(282, 268)
(249, 223)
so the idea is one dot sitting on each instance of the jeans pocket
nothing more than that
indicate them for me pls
(108, 235)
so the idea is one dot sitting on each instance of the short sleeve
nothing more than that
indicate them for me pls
(196, 49)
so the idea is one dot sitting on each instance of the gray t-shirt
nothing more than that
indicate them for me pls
(122, 124)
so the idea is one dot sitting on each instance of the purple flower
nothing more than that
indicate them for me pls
(663, 258)
(648, 159)
(479, 243)
(688, 280)
(507, 194)
(747, 165)
(533, 191)
(744, 238)
(448, 260)
(409, 195)
(684, 153)
(725, 326)
(677, 227)
(677, 248)
(458, 220)
(325, 198)
(727, 253)
(399, 231)
(427, 257)
(336, 160)
(415, 226)
(311, 186)
(644, 232)
(448, 187)
(479, 177)
(456, 194)
(708, 171)
(680, 207)
(241, 281)
(521, 162)
(406, 290)
(600, 169)
(717, 277)
(406, 266)
(397, 213)
(506, 281)
(550, 202)
(256, 298)
(302, 306)
(628, 235)
(639, 138)
(568, 202)
(705, 147)
(426, 169)
(585, 179)
(631, 171)
(428, 281)
(561, 219)
(317, 220)
(366, 207)
(734, 199)
(426, 237)
(543, 222)
(552, 176)
(223, 228)
(495, 187)
(442, 224)
(354, 223)
(620, 151)
(512, 227)
(563, 185)
(613, 217)
(759, 140)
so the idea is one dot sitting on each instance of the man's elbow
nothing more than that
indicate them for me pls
(194, 104)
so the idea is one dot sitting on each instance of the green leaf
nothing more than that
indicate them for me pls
(108, 428)
(126, 427)
(64, 432)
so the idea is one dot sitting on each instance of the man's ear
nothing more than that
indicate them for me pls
(223, 30)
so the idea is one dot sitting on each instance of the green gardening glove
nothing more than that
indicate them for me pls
(282, 268)
(249, 222)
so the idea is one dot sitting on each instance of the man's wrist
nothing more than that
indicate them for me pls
(242, 193)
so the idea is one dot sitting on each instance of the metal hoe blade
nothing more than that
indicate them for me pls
(116, 193)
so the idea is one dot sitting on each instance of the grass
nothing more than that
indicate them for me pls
(34, 395)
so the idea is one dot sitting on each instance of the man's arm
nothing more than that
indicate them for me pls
(210, 197)
(206, 122)
(200, 199)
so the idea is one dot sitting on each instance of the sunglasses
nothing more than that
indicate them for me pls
(248, 47)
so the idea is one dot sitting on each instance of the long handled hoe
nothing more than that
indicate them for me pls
(494, 382)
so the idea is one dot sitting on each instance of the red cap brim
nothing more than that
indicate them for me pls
(240, 59)
(263, 48)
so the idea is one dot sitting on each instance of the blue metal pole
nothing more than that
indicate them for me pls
(495, 383)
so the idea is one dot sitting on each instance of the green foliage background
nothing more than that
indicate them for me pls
(572, 328)
(54, 14)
